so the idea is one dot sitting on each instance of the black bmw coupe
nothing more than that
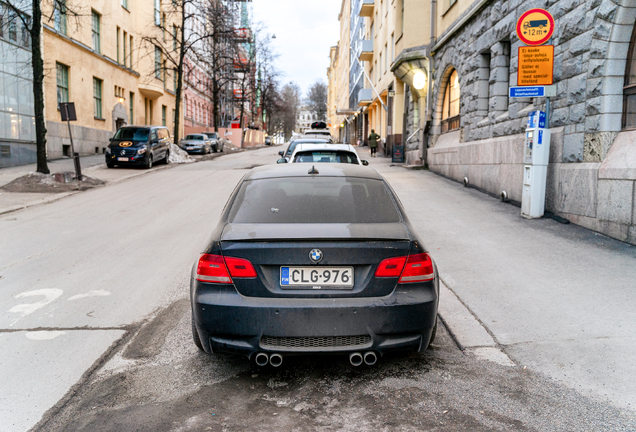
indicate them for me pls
(314, 260)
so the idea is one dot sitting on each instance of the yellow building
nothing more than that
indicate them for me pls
(103, 61)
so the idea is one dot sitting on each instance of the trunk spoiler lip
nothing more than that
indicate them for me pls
(309, 232)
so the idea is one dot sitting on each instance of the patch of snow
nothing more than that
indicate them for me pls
(179, 156)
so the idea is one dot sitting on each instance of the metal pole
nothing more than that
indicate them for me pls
(76, 162)
(547, 113)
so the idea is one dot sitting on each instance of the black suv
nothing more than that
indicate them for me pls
(139, 145)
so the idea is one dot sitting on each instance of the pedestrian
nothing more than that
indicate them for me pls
(373, 142)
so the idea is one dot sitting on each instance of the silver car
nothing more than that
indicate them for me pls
(196, 143)
(216, 141)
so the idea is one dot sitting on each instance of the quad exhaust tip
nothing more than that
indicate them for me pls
(275, 360)
(262, 359)
(355, 359)
(370, 358)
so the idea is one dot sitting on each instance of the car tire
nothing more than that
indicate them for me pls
(216, 148)
(195, 336)
(110, 165)
(222, 148)
(148, 162)
(166, 160)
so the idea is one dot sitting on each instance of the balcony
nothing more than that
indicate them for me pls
(366, 10)
(365, 97)
(243, 35)
(366, 54)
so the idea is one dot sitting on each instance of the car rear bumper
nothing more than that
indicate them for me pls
(230, 322)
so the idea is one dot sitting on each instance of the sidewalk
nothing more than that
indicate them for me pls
(91, 165)
(558, 299)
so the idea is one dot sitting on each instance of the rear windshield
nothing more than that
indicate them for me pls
(212, 135)
(313, 200)
(293, 145)
(330, 156)
(194, 138)
(132, 134)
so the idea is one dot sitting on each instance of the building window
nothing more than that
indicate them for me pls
(158, 12)
(164, 110)
(13, 26)
(125, 49)
(130, 63)
(59, 16)
(3, 12)
(124, 3)
(97, 97)
(157, 62)
(174, 37)
(163, 26)
(62, 82)
(629, 90)
(164, 71)
(118, 60)
(174, 79)
(96, 18)
(131, 108)
(450, 107)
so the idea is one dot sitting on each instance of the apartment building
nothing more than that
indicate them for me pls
(454, 62)
(106, 60)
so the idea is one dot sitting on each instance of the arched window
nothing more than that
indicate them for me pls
(450, 108)
(629, 89)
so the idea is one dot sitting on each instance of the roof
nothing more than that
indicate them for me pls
(301, 170)
(314, 146)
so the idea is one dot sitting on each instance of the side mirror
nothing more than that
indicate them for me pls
(280, 153)
(283, 160)
(110, 139)
(364, 162)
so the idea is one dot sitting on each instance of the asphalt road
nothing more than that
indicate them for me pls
(94, 322)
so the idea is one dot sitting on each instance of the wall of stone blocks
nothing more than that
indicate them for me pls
(592, 172)
(85, 140)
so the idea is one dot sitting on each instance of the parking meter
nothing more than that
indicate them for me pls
(536, 157)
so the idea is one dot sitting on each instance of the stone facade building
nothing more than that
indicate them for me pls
(593, 150)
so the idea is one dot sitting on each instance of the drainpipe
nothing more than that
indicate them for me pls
(429, 91)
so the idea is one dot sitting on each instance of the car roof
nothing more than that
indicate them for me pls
(323, 146)
(302, 170)
(144, 127)
(311, 140)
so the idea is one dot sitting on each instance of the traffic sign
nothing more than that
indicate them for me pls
(535, 27)
(532, 91)
(536, 64)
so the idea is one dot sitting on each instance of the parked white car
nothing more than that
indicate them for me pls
(326, 153)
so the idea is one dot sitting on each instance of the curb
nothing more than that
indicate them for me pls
(470, 335)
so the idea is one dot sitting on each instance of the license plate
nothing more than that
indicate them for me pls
(316, 277)
(190, 148)
(120, 159)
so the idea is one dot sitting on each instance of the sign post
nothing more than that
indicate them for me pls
(535, 78)
(67, 110)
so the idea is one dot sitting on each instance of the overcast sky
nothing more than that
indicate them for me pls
(305, 30)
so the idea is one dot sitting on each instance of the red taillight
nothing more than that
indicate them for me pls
(240, 268)
(390, 267)
(212, 268)
(419, 268)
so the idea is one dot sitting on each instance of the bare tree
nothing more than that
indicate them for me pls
(186, 39)
(291, 102)
(317, 100)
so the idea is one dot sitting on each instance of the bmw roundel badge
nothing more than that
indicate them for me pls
(315, 255)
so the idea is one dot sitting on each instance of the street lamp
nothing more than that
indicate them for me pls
(419, 80)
